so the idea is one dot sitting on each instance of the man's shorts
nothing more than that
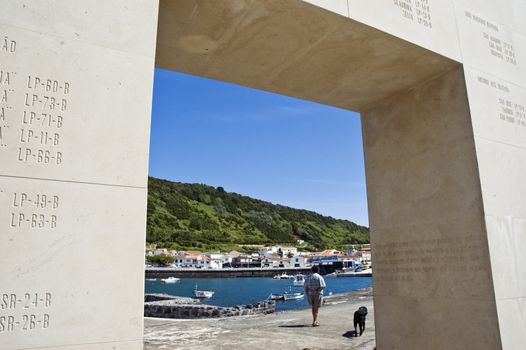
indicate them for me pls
(315, 299)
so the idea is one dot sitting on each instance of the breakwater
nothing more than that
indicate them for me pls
(165, 306)
(355, 274)
(164, 272)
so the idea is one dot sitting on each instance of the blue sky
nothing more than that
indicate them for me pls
(267, 146)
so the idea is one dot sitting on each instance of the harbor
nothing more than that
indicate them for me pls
(240, 291)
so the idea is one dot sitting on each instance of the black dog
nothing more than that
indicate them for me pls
(359, 319)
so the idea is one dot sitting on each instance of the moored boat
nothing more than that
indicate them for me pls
(283, 276)
(299, 281)
(171, 280)
(293, 296)
(276, 296)
(202, 293)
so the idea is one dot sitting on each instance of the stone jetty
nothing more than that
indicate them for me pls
(167, 306)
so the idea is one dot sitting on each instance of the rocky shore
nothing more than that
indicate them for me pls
(289, 329)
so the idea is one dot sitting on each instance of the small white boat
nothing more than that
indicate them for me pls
(293, 296)
(171, 280)
(202, 293)
(283, 276)
(299, 281)
(275, 296)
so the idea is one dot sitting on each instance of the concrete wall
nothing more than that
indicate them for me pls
(75, 98)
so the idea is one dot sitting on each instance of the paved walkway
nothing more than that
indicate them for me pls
(289, 330)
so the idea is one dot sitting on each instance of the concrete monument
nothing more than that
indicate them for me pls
(441, 85)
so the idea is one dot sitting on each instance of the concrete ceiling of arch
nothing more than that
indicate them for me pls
(292, 48)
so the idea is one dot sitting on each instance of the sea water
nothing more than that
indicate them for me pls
(247, 290)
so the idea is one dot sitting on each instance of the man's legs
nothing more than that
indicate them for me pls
(314, 315)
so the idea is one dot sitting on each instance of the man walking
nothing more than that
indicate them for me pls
(314, 285)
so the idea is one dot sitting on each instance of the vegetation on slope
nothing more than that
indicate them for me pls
(195, 216)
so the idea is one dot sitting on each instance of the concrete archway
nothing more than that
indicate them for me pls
(441, 86)
(431, 257)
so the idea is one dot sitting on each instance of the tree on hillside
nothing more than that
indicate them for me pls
(160, 259)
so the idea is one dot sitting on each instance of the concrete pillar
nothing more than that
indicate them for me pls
(75, 99)
(432, 275)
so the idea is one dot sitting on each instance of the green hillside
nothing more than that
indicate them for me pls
(194, 216)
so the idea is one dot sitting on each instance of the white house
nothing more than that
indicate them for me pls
(193, 259)
(275, 261)
(365, 254)
(271, 260)
(245, 260)
(298, 261)
(286, 250)
(229, 257)
(215, 261)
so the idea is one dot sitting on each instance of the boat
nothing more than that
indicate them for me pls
(293, 296)
(299, 281)
(283, 276)
(276, 296)
(171, 280)
(202, 293)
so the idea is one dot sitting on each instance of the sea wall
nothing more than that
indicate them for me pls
(164, 272)
(174, 309)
